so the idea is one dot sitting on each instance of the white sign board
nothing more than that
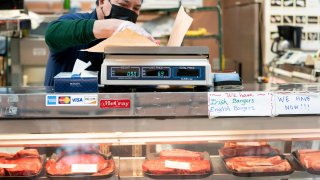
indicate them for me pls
(297, 103)
(240, 104)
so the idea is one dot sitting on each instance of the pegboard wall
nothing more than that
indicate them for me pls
(304, 13)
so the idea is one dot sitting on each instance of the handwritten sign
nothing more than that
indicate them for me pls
(297, 103)
(240, 104)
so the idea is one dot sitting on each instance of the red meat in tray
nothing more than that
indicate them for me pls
(247, 149)
(27, 153)
(26, 162)
(2, 172)
(6, 155)
(310, 159)
(252, 164)
(27, 166)
(180, 154)
(64, 165)
(158, 167)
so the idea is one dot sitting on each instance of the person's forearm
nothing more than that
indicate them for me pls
(69, 33)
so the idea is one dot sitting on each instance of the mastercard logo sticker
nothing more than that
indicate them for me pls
(64, 100)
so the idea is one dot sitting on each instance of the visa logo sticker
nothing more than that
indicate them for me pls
(115, 103)
(78, 100)
(51, 100)
(72, 100)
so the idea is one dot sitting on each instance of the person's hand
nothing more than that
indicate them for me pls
(107, 27)
(136, 28)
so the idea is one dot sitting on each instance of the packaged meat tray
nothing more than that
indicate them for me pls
(88, 165)
(25, 164)
(256, 166)
(178, 164)
(235, 149)
(309, 160)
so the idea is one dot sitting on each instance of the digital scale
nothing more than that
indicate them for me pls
(177, 66)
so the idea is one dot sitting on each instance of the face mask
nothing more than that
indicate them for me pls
(118, 12)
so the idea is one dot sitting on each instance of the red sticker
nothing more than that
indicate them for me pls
(115, 104)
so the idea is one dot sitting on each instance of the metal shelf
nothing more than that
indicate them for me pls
(141, 131)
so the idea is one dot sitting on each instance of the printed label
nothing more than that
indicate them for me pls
(7, 166)
(84, 168)
(177, 165)
(115, 104)
(72, 100)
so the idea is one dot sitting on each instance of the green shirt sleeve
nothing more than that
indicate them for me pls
(69, 33)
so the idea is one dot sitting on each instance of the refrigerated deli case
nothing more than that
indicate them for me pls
(132, 126)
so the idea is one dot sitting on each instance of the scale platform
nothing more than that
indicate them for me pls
(153, 66)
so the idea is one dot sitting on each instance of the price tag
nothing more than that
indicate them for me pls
(258, 163)
(240, 104)
(8, 166)
(177, 165)
(84, 168)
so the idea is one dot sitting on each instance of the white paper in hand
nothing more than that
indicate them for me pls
(181, 25)
(80, 66)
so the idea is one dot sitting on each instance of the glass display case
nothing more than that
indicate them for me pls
(133, 126)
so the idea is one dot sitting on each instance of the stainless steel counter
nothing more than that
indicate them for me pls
(156, 119)
(31, 102)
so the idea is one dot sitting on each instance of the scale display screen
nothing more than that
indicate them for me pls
(125, 72)
(156, 72)
(188, 72)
